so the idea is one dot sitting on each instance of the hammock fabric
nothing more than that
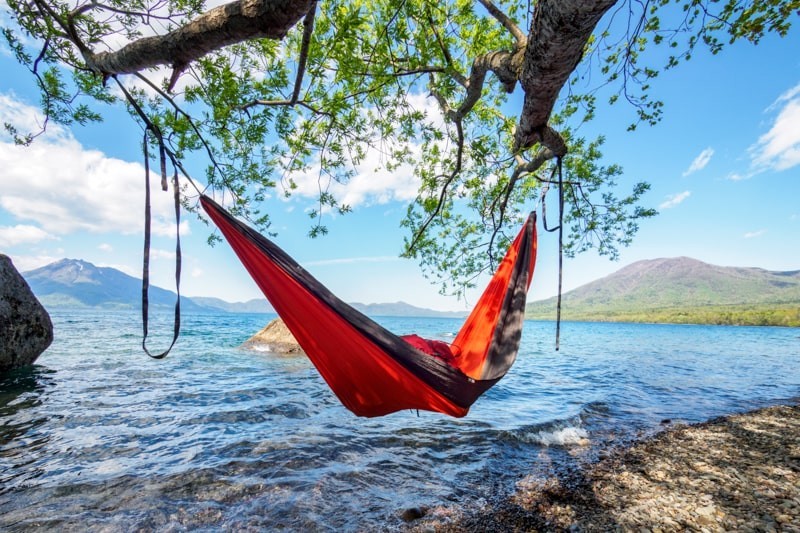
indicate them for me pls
(372, 371)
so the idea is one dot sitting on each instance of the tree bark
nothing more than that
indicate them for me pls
(558, 35)
(224, 25)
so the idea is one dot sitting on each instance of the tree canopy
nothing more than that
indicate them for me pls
(268, 91)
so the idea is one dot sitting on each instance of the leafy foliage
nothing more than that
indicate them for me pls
(403, 78)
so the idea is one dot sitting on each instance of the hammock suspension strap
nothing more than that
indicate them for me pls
(146, 254)
(150, 127)
(560, 228)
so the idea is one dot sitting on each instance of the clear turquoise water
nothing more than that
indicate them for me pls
(99, 437)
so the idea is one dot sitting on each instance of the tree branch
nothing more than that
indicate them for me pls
(219, 27)
(308, 30)
(188, 117)
(448, 58)
(443, 192)
(507, 23)
(523, 167)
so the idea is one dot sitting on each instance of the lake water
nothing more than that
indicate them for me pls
(97, 436)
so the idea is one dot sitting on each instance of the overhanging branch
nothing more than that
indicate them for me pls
(219, 27)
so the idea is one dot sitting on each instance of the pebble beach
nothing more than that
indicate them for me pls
(734, 473)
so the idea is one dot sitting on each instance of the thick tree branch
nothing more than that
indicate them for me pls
(558, 36)
(308, 30)
(222, 26)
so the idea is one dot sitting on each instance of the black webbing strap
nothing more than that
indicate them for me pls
(146, 260)
(560, 250)
(560, 229)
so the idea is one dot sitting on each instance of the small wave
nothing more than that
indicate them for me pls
(568, 436)
(563, 433)
(263, 348)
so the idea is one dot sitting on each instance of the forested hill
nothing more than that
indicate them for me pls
(683, 290)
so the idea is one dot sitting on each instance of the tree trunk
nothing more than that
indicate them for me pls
(558, 36)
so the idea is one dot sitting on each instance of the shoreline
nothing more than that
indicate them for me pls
(739, 472)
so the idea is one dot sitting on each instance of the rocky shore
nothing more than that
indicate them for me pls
(735, 473)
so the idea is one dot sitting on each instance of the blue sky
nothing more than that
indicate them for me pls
(724, 164)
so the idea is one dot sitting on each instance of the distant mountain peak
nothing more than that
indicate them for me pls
(75, 282)
(69, 271)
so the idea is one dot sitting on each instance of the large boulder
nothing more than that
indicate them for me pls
(275, 338)
(25, 327)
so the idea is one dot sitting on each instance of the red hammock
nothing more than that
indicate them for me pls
(372, 371)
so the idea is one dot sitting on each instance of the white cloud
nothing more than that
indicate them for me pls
(65, 188)
(779, 148)
(27, 119)
(735, 176)
(790, 94)
(753, 234)
(105, 247)
(21, 234)
(700, 161)
(372, 183)
(197, 272)
(674, 199)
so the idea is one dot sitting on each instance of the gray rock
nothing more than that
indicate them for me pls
(413, 513)
(25, 327)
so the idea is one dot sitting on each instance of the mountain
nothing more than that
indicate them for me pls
(403, 309)
(75, 283)
(256, 305)
(681, 290)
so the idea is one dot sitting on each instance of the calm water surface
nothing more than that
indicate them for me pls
(99, 437)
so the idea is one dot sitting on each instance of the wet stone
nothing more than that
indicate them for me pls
(25, 327)
(413, 513)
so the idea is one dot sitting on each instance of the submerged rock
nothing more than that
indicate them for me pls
(275, 338)
(25, 327)
(413, 513)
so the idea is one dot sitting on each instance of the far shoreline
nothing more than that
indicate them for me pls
(780, 315)
(651, 323)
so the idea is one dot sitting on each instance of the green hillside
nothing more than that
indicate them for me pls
(683, 290)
